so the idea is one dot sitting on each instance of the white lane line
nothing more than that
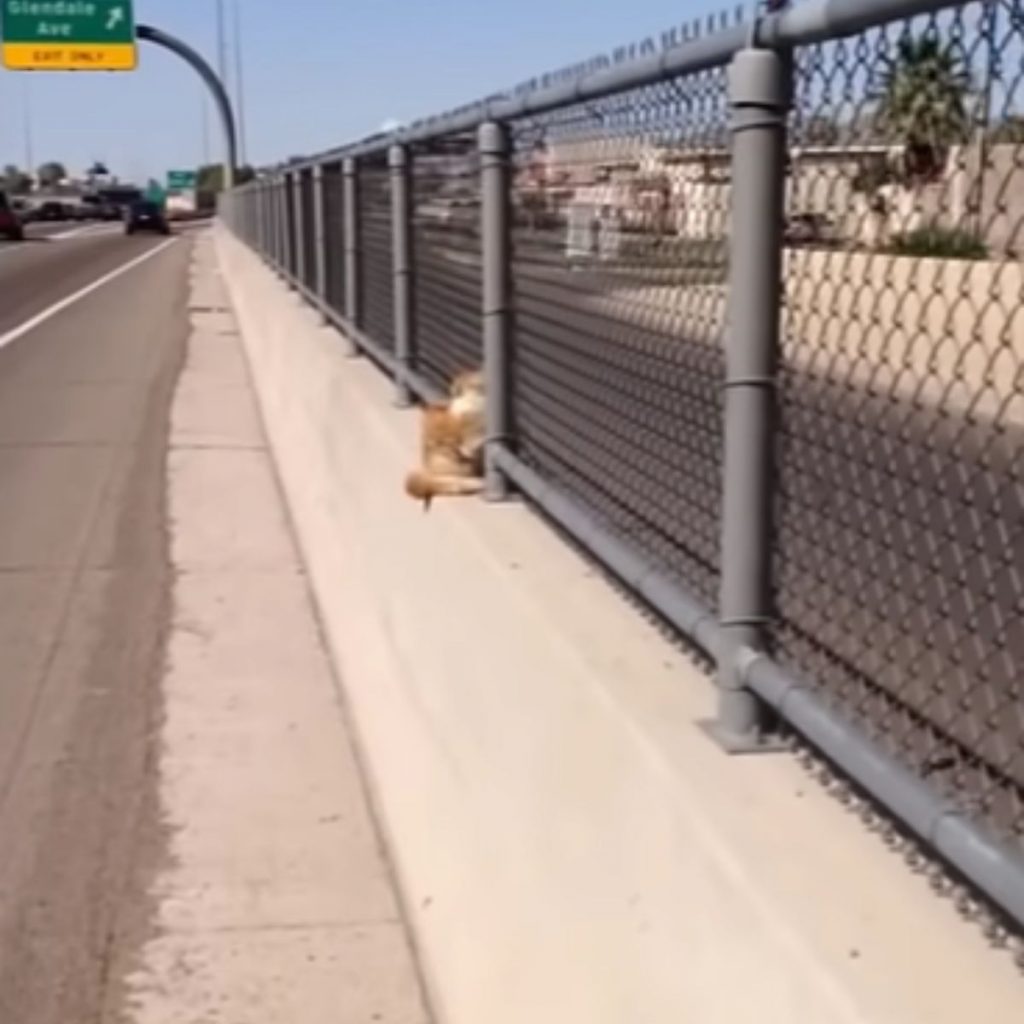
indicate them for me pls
(58, 236)
(89, 231)
(70, 300)
(84, 232)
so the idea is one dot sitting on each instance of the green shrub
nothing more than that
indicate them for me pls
(941, 243)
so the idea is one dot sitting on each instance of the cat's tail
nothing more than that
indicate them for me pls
(425, 486)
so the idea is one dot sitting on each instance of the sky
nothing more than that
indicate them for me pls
(317, 73)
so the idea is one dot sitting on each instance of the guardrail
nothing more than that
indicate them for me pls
(751, 311)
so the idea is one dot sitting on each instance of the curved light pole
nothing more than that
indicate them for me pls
(149, 34)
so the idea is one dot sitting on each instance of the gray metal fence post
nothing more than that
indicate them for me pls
(283, 199)
(286, 202)
(279, 222)
(401, 269)
(759, 95)
(493, 144)
(268, 220)
(298, 267)
(271, 221)
(319, 239)
(267, 237)
(261, 223)
(350, 227)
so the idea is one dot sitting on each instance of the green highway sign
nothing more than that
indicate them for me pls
(181, 181)
(68, 35)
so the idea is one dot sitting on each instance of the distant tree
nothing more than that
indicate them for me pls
(533, 205)
(51, 173)
(873, 176)
(1009, 131)
(210, 177)
(922, 103)
(873, 173)
(210, 181)
(819, 131)
(16, 181)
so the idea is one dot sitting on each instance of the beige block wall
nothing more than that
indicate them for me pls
(950, 332)
(946, 332)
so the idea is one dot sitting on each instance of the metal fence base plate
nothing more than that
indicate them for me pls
(742, 743)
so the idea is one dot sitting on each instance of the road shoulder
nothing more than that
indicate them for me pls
(276, 903)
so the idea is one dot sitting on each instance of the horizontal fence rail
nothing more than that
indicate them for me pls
(751, 310)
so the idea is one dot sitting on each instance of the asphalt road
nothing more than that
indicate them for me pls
(84, 405)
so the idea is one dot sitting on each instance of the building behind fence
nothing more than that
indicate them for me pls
(752, 314)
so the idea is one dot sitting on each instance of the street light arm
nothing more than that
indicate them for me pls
(149, 34)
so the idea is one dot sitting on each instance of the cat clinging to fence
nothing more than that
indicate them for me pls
(452, 443)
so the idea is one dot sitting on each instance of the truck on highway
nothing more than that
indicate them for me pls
(181, 204)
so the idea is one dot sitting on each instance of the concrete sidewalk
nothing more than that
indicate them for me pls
(277, 905)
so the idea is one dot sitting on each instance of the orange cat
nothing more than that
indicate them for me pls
(453, 443)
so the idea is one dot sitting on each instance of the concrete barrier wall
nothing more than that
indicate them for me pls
(571, 847)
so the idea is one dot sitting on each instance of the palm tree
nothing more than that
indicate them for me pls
(923, 103)
(1009, 131)
(820, 131)
(15, 180)
(51, 173)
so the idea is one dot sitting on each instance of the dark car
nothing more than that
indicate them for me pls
(809, 229)
(104, 209)
(51, 210)
(10, 225)
(95, 207)
(145, 216)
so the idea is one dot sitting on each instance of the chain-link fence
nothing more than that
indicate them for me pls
(334, 235)
(889, 532)
(899, 537)
(446, 257)
(376, 273)
(619, 286)
(307, 264)
(291, 237)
